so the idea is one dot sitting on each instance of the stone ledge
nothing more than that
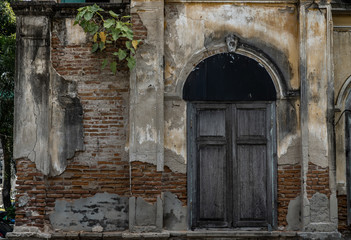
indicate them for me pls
(240, 234)
(162, 235)
(175, 234)
(28, 235)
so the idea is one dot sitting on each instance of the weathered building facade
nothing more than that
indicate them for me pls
(234, 122)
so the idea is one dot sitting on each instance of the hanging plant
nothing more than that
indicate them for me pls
(108, 29)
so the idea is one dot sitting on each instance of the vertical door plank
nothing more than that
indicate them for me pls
(259, 187)
(212, 182)
(245, 182)
(252, 172)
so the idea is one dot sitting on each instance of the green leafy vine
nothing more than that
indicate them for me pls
(106, 29)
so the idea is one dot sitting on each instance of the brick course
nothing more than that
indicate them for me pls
(148, 183)
(31, 185)
(342, 214)
(139, 30)
(317, 180)
(289, 187)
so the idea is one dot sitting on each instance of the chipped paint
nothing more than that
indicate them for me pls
(175, 140)
(147, 134)
(215, 21)
(74, 33)
(286, 143)
(109, 211)
(190, 29)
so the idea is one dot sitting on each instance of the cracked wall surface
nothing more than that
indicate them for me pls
(102, 134)
(32, 116)
(49, 115)
(108, 212)
(86, 113)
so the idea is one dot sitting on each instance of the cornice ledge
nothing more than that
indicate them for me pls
(236, 1)
(33, 8)
(49, 8)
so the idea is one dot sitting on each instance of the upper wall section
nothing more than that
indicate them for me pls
(49, 113)
(193, 28)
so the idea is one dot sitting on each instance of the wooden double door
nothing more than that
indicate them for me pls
(232, 166)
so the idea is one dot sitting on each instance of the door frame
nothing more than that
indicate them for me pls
(191, 166)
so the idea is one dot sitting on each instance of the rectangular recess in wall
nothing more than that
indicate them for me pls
(340, 21)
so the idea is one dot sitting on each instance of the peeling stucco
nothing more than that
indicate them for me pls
(32, 93)
(175, 135)
(66, 135)
(290, 149)
(319, 208)
(146, 97)
(49, 115)
(293, 217)
(49, 125)
(174, 214)
(215, 21)
(104, 210)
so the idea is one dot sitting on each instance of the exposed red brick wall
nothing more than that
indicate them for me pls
(139, 30)
(342, 214)
(317, 180)
(289, 187)
(148, 183)
(31, 184)
(77, 60)
(103, 166)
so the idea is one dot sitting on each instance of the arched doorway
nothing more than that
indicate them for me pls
(231, 122)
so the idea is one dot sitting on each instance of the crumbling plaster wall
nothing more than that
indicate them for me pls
(63, 100)
(49, 115)
(194, 31)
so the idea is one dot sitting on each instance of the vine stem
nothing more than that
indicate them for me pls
(102, 18)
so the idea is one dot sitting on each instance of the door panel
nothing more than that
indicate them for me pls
(212, 122)
(252, 183)
(251, 158)
(251, 122)
(212, 159)
(259, 189)
(212, 199)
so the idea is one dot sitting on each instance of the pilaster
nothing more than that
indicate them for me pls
(318, 206)
(147, 87)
